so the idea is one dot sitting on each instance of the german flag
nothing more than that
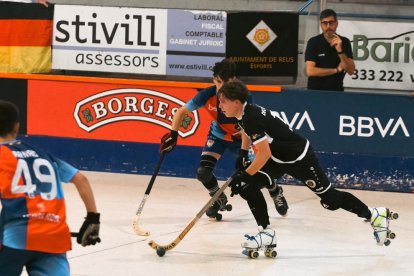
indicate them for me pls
(25, 37)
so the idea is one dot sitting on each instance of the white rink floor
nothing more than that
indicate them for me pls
(311, 240)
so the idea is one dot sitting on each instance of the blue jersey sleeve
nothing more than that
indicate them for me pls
(201, 98)
(66, 171)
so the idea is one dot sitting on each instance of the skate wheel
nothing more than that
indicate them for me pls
(270, 253)
(394, 215)
(387, 242)
(210, 214)
(273, 254)
(229, 207)
(391, 235)
(219, 217)
(253, 254)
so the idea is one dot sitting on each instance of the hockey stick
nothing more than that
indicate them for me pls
(180, 237)
(135, 222)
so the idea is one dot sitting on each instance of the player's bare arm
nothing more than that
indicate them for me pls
(85, 191)
(263, 154)
(178, 117)
(246, 142)
(169, 140)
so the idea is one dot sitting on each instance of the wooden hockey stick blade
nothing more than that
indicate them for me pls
(180, 237)
(138, 230)
(135, 222)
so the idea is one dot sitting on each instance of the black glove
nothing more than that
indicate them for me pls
(242, 160)
(168, 141)
(241, 180)
(89, 232)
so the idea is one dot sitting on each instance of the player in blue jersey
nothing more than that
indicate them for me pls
(33, 229)
(224, 135)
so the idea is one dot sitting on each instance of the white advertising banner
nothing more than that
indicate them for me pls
(383, 53)
(110, 39)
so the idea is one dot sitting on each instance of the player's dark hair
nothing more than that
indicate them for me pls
(234, 90)
(9, 116)
(326, 13)
(225, 69)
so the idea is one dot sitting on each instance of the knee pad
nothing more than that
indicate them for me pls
(204, 174)
(331, 199)
(205, 169)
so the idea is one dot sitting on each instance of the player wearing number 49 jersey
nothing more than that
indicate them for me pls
(33, 229)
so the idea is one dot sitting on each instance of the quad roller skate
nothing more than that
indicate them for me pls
(265, 240)
(380, 221)
(280, 201)
(219, 205)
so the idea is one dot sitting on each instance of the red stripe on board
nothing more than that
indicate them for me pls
(24, 32)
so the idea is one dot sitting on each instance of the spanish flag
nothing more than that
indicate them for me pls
(25, 37)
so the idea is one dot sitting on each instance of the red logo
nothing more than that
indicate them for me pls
(132, 104)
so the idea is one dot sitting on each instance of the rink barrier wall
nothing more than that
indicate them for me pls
(371, 149)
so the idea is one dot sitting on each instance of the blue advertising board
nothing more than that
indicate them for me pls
(347, 122)
(363, 141)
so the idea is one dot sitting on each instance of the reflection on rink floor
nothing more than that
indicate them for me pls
(311, 240)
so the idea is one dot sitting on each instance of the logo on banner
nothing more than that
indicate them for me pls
(395, 49)
(366, 126)
(132, 105)
(261, 36)
(297, 121)
(110, 39)
(383, 53)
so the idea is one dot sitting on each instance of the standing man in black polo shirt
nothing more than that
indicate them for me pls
(328, 56)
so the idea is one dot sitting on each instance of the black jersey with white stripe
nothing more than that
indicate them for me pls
(260, 123)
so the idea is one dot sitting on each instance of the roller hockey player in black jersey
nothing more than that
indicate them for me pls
(281, 151)
(224, 135)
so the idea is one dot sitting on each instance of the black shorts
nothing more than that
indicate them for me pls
(307, 170)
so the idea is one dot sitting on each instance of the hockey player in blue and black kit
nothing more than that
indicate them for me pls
(224, 135)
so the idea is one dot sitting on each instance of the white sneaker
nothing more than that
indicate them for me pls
(380, 217)
(264, 239)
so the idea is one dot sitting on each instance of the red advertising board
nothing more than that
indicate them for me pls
(115, 112)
